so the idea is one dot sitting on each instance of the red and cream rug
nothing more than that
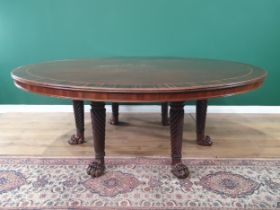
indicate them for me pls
(138, 183)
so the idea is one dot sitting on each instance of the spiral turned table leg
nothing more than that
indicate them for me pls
(78, 138)
(164, 114)
(176, 132)
(98, 117)
(114, 120)
(201, 111)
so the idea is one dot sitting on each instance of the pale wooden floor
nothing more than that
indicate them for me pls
(234, 135)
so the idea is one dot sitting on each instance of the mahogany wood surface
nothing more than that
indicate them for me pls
(139, 79)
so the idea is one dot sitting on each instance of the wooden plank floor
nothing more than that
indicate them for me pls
(234, 135)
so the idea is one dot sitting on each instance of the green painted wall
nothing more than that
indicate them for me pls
(247, 31)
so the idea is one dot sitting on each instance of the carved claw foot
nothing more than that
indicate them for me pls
(204, 141)
(76, 139)
(95, 169)
(113, 121)
(180, 170)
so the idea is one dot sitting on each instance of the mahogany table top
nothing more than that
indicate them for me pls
(138, 79)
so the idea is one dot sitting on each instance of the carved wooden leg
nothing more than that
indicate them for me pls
(201, 110)
(78, 138)
(114, 120)
(164, 114)
(98, 117)
(176, 132)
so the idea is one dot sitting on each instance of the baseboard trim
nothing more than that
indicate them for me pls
(142, 109)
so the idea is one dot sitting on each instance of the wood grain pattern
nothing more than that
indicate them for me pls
(139, 80)
(46, 134)
(138, 97)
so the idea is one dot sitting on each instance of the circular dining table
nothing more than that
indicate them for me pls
(141, 80)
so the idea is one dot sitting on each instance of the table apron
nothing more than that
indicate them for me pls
(137, 97)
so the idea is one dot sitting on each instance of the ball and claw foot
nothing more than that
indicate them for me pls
(76, 139)
(95, 169)
(180, 170)
(204, 141)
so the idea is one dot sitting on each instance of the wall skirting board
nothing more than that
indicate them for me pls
(142, 109)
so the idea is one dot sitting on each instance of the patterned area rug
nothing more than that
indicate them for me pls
(139, 183)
